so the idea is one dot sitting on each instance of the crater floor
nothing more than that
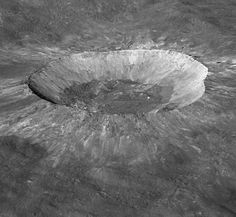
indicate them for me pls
(116, 96)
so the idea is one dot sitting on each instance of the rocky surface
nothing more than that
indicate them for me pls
(60, 161)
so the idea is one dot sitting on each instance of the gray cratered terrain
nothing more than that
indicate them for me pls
(117, 108)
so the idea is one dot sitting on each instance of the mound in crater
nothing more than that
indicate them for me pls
(121, 82)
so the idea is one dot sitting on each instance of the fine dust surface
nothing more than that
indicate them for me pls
(17, 70)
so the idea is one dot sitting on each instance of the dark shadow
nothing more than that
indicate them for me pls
(36, 92)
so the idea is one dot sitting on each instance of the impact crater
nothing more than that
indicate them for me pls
(121, 82)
